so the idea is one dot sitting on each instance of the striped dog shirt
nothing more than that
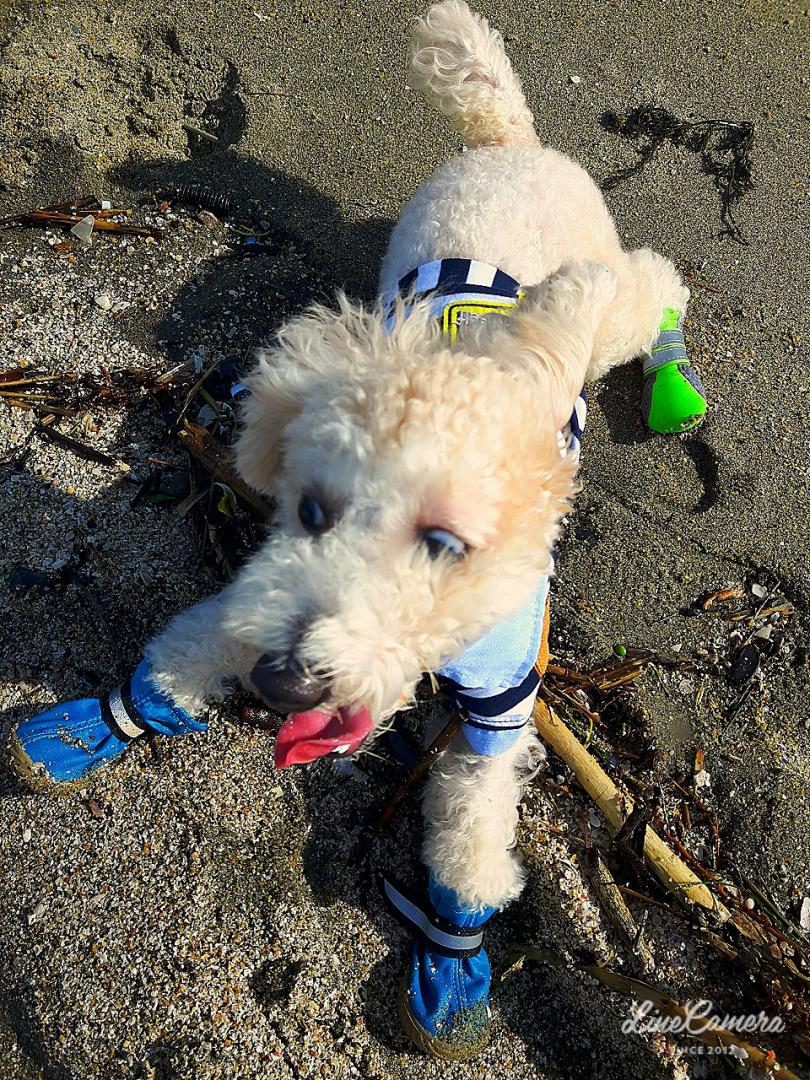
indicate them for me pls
(493, 681)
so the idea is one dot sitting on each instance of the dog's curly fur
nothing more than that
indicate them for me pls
(398, 431)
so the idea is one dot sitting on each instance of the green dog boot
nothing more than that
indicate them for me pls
(673, 398)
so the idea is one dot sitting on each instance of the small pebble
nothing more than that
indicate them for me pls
(575, 79)
(703, 779)
(103, 301)
(37, 913)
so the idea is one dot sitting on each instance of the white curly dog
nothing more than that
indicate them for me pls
(418, 478)
(421, 454)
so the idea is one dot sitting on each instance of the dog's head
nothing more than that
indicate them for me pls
(419, 488)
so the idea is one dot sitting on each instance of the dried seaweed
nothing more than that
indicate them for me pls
(66, 393)
(724, 147)
(89, 453)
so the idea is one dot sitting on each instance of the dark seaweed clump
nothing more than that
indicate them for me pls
(724, 147)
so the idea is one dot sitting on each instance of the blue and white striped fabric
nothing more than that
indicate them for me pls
(454, 281)
(494, 681)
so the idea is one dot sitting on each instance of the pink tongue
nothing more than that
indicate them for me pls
(306, 736)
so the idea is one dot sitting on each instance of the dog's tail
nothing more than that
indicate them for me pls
(460, 65)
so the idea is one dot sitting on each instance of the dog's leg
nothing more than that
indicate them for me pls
(182, 668)
(648, 284)
(470, 810)
(646, 318)
(193, 661)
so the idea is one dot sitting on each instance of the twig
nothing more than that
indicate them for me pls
(215, 459)
(742, 920)
(667, 867)
(442, 740)
(712, 939)
(616, 909)
(80, 448)
(648, 900)
(100, 224)
(199, 132)
(190, 395)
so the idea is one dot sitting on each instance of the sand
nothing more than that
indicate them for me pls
(194, 914)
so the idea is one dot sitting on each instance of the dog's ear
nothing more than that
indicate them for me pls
(310, 353)
(552, 330)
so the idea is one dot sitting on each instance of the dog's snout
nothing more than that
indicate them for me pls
(287, 688)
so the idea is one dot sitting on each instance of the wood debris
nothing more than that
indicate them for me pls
(68, 215)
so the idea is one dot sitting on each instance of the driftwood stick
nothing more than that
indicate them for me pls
(440, 743)
(613, 903)
(615, 808)
(215, 458)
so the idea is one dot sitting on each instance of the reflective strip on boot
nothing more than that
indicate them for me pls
(416, 913)
(119, 713)
(670, 345)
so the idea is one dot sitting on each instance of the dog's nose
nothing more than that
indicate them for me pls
(286, 689)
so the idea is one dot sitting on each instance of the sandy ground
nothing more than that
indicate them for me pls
(204, 917)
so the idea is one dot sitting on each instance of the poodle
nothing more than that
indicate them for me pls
(421, 454)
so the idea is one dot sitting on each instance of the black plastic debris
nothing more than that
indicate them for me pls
(24, 581)
(200, 197)
(745, 664)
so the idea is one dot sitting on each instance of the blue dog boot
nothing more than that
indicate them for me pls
(444, 999)
(66, 744)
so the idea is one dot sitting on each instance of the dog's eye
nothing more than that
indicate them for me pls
(312, 515)
(441, 542)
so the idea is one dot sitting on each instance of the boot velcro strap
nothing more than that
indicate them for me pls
(416, 913)
(120, 714)
(669, 347)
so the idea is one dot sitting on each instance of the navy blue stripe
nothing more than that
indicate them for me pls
(499, 703)
(454, 271)
(573, 423)
(406, 283)
(503, 283)
(453, 275)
